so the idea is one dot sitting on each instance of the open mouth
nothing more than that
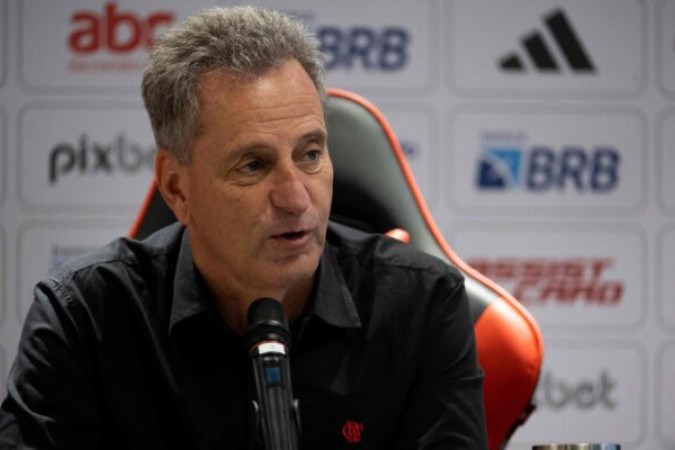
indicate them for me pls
(293, 235)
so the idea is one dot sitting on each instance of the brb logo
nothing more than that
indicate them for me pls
(385, 49)
(115, 30)
(92, 158)
(508, 163)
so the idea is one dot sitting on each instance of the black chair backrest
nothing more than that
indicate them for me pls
(374, 190)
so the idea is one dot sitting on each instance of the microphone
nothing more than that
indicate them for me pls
(274, 411)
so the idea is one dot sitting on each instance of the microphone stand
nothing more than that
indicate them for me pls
(274, 413)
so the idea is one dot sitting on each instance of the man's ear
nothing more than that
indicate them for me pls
(171, 178)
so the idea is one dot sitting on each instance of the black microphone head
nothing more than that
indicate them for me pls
(266, 320)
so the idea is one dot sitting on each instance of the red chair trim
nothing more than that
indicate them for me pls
(421, 204)
(145, 206)
(483, 339)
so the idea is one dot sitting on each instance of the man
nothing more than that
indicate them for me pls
(139, 345)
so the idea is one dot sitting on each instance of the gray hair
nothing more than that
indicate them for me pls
(245, 41)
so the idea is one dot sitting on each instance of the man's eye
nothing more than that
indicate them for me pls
(251, 167)
(313, 155)
(310, 161)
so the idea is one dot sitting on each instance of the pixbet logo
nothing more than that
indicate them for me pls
(558, 394)
(564, 281)
(88, 157)
(385, 49)
(114, 30)
(510, 164)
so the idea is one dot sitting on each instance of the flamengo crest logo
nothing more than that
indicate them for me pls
(352, 431)
(536, 45)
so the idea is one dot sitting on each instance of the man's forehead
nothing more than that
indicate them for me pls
(283, 85)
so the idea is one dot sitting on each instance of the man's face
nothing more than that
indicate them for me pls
(259, 184)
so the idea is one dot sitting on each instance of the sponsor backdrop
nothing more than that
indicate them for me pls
(541, 133)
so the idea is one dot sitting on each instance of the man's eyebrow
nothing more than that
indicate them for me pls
(240, 152)
(318, 135)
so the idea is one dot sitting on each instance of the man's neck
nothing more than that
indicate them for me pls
(232, 305)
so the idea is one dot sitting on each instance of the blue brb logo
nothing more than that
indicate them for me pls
(541, 168)
(383, 49)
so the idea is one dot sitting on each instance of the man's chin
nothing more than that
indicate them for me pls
(294, 269)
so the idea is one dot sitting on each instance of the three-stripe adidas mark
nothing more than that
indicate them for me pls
(537, 49)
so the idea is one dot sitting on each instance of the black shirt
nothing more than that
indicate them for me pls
(123, 349)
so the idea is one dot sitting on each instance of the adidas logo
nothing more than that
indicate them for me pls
(538, 50)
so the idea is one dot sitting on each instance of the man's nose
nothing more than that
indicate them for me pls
(289, 192)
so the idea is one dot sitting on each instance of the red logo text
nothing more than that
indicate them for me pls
(114, 30)
(554, 280)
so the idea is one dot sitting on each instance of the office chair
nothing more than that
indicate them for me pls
(374, 190)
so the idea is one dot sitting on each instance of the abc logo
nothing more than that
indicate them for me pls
(114, 30)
